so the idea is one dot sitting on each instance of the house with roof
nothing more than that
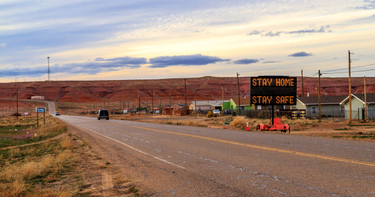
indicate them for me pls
(245, 103)
(330, 106)
(358, 106)
(206, 105)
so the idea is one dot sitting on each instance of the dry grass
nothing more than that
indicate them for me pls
(65, 143)
(16, 179)
(239, 122)
(15, 188)
(103, 164)
(119, 179)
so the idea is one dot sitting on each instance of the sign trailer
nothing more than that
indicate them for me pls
(273, 90)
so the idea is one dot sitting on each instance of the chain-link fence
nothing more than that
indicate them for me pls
(360, 114)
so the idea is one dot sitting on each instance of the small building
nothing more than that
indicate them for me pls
(358, 106)
(245, 103)
(330, 106)
(37, 97)
(177, 110)
(168, 111)
(206, 105)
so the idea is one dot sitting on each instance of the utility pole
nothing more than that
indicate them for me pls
(350, 90)
(17, 97)
(222, 96)
(303, 91)
(186, 101)
(37, 117)
(48, 69)
(152, 101)
(170, 105)
(320, 117)
(239, 99)
(195, 105)
(139, 98)
(364, 91)
(160, 106)
(44, 116)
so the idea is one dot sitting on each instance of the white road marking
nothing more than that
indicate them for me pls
(132, 148)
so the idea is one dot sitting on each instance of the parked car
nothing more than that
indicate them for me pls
(103, 113)
(58, 113)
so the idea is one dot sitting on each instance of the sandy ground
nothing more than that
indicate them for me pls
(101, 175)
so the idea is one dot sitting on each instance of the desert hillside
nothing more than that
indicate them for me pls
(209, 88)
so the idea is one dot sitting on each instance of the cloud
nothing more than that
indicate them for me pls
(3, 45)
(255, 32)
(270, 62)
(300, 54)
(322, 29)
(246, 61)
(91, 68)
(369, 6)
(273, 34)
(183, 60)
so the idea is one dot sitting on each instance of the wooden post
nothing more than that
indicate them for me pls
(195, 105)
(303, 91)
(139, 104)
(17, 101)
(364, 81)
(187, 108)
(320, 114)
(350, 92)
(222, 95)
(170, 105)
(239, 99)
(152, 101)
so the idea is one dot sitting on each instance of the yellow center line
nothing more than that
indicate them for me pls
(265, 148)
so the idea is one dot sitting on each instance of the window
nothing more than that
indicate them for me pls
(259, 107)
(242, 107)
(313, 109)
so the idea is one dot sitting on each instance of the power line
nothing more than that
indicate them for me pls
(354, 67)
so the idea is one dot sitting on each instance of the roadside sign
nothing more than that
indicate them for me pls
(273, 90)
(40, 109)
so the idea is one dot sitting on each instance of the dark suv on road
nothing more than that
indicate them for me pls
(103, 113)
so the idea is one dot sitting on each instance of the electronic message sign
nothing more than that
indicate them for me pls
(273, 90)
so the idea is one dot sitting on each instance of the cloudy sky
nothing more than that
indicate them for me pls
(123, 39)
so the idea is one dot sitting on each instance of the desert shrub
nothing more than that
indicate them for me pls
(239, 122)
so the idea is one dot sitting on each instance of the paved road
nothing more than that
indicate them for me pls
(192, 161)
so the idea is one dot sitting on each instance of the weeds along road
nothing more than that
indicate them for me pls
(171, 160)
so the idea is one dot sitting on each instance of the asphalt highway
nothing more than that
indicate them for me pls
(196, 161)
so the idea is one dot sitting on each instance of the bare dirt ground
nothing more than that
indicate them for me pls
(100, 175)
